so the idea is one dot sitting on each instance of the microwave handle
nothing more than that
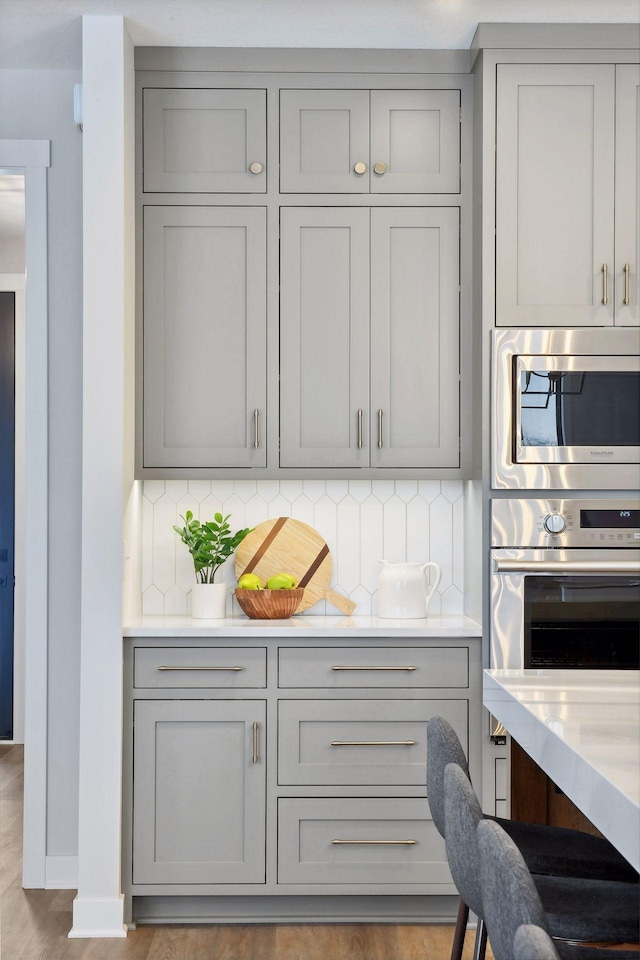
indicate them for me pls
(567, 566)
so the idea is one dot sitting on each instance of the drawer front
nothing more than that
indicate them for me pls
(406, 846)
(199, 667)
(386, 667)
(366, 742)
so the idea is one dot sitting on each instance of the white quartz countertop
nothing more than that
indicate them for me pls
(582, 727)
(300, 626)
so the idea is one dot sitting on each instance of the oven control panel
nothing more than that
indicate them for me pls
(565, 523)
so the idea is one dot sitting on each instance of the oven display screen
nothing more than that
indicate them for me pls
(609, 519)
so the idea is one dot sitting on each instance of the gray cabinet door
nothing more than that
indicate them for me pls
(324, 336)
(204, 141)
(415, 306)
(627, 194)
(204, 336)
(416, 135)
(554, 194)
(323, 135)
(198, 797)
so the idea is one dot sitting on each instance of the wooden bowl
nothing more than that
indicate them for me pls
(269, 604)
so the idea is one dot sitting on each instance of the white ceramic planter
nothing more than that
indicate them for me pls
(209, 601)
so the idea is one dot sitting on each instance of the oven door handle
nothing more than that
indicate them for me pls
(566, 566)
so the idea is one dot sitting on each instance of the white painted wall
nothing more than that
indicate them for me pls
(38, 104)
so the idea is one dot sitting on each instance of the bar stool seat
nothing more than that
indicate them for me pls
(511, 898)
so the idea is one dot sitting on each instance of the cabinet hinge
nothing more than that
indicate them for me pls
(460, 114)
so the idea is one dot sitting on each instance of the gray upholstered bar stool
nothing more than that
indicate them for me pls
(586, 912)
(516, 920)
(546, 850)
(533, 943)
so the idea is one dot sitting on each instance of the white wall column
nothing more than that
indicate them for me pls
(108, 110)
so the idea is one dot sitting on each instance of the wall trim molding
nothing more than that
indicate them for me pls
(98, 917)
(61, 873)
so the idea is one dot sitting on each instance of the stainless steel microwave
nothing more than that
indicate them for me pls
(565, 409)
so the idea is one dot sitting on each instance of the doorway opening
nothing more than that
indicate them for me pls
(12, 283)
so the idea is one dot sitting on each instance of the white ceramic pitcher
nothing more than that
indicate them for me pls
(403, 590)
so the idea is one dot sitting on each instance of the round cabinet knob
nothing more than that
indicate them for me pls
(360, 168)
(256, 168)
(554, 523)
(380, 168)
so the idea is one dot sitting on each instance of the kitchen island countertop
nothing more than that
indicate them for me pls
(452, 627)
(582, 727)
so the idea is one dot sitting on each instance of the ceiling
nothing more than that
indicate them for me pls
(47, 33)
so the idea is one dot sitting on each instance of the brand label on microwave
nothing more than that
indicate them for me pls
(601, 453)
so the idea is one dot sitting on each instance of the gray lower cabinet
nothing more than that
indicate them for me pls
(567, 202)
(198, 792)
(204, 141)
(204, 402)
(249, 778)
(369, 337)
(378, 141)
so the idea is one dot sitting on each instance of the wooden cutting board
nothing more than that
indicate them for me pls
(289, 546)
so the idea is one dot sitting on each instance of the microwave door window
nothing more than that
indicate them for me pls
(580, 408)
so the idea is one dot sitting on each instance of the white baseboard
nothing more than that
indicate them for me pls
(98, 918)
(61, 873)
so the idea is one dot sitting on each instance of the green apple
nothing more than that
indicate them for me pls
(281, 581)
(249, 581)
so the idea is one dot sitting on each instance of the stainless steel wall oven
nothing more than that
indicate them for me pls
(566, 409)
(565, 584)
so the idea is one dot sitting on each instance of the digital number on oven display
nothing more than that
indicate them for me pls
(609, 519)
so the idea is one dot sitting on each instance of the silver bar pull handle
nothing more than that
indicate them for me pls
(567, 566)
(256, 428)
(201, 668)
(373, 743)
(340, 667)
(256, 728)
(605, 283)
(627, 284)
(359, 429)
(379, 429)
(395, 842)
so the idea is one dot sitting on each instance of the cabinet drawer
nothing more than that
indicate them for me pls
(308, 851)
(193, 667)
(373, 667)
(371, 742)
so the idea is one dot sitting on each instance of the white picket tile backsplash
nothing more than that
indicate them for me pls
(361, 520)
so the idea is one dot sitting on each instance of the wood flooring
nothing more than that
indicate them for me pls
(34, 923)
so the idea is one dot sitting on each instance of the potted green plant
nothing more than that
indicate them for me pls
(210, 544)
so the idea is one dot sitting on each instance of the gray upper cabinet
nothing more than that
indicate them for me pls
(627, 272)
(415, 141)
(199, 792)
(415, 382)
(204, 337)
(324, 336)
(555, 195)
(379, 141)
(397, 403)
(204, 141)
(324, 141)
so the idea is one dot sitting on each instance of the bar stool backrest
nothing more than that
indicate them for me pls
(532, 943)
(443, 747)
(509, 896)
(462, 816)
